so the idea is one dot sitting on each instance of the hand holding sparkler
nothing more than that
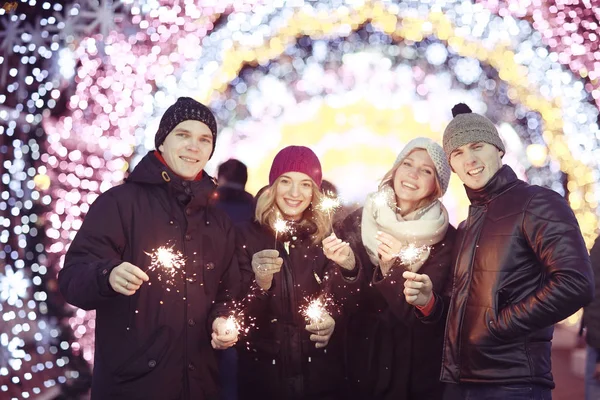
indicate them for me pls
(391, 248)
(418, 288)
(321, 324)
(339, 252)
(126, 278)
(265, 263)
(388, 250)
(225, 333)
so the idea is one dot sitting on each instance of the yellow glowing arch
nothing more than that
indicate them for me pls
(580, 177)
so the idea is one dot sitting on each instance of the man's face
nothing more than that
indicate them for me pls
(476, 163)
(187, 148)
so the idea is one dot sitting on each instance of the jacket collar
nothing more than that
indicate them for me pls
(503, 180)
(152, 171)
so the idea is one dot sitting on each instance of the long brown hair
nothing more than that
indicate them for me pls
(267, 211)
(388, 180)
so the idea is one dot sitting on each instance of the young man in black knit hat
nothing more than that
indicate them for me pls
(155, 324)
(521, 266)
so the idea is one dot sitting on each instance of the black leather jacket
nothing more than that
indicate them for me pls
(521, 266)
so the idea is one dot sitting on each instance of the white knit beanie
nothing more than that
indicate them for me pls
(437, 154)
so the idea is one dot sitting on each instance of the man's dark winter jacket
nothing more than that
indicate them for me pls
(521, 266)
(156, 343)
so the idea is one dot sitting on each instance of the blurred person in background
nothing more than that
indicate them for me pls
(231, 195)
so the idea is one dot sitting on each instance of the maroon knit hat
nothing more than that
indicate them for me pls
(296, 159)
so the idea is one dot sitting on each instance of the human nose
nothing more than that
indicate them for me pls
(412, 172)
(294, 190)
(469, 157)
(193, 145)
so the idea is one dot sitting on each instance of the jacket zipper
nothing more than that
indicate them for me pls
(462, 318)
(288, 288)
(186, 382)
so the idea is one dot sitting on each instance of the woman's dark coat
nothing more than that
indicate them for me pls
(156, 343)
(277, 359)
(390, 354)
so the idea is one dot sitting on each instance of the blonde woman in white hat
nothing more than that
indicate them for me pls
(390, 354)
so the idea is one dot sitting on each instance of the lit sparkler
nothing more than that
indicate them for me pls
(380, 199)
(167, 261)
(411, 254)
(329, 204)
(232, 325)
(280, 226)
(315, 311)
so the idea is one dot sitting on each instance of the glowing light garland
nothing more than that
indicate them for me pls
(541, 79)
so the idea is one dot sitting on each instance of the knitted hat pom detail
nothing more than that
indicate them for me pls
(460, 108)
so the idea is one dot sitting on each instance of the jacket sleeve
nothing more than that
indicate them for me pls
(442, 288)
(553, 234)
(251, 296)
(342, 287)
(95, 251)
(347, 284)
(229, 284)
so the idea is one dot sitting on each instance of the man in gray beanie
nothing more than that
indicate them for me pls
(521, 265)
(156, 263)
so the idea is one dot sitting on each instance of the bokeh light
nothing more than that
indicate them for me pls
(83, 85)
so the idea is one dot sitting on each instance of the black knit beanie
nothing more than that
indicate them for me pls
(184, 109)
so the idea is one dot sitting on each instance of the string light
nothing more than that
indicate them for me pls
(352, 79)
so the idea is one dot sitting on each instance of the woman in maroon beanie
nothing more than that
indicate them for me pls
(284, 355)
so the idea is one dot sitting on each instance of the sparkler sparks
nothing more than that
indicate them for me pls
(166, 260)
(315, 311)
(280, 226)
(380, 198)
(329, 204)
(412, 253)
(232, 325)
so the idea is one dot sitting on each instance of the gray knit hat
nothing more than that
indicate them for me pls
(469, 127)
(435, 151)
(185, 108)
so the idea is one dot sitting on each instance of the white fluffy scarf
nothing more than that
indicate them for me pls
(422, 228)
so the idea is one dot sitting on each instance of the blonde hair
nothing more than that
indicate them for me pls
(267, 211)
(388, 180)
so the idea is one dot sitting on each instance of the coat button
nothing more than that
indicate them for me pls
(210, 265)
(152, 363)
(104, 271)
(188, 237)
(191, 367)
(188, 211)
(191, 322)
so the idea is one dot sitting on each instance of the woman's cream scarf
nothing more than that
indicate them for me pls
(420, 229)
